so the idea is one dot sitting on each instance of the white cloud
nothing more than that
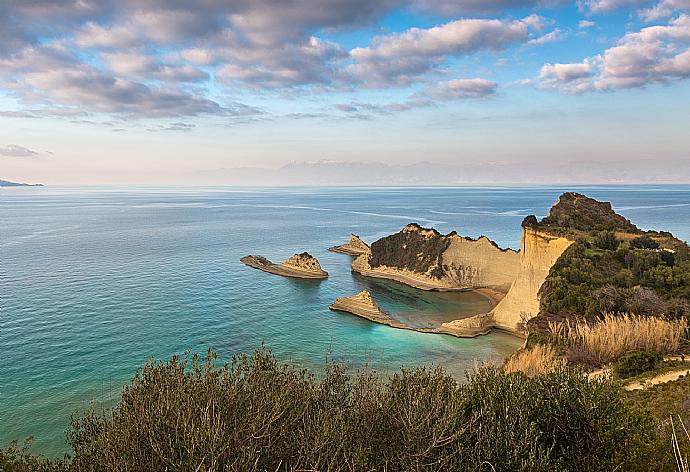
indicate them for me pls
(398, 58)
(550, 37)
(655, 54)
(584, 24)
(607, 6)
(663, 9)
(463, 88)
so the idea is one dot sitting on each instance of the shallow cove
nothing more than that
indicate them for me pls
(423, 308)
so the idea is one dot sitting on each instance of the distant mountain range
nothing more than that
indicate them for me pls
(7, 183)
(463, 173)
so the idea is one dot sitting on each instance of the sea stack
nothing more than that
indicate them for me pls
(301, 266)
(363, 305)
(354, 247)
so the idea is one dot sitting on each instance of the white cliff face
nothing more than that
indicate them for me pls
(539, 252)
(476, 264)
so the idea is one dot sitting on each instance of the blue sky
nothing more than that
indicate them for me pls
(155, 91)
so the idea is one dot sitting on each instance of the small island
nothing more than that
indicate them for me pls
(354, 247)
(301, 266)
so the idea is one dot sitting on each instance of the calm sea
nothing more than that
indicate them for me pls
(94, 281)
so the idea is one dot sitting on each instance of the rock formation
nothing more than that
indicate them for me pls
(364, 306)
(354, 247)
(303, 266)
(425, 259)
(539, 251)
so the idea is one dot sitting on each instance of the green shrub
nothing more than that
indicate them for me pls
(607, 240)
(256, 415)
(644, 242)
(636, 363)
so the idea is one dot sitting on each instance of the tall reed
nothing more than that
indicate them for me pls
(615, 335)
(540, 359)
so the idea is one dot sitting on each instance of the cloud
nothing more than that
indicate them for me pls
(176, 126)
(398, 58)
(607, 6)
(550, 37)
(584, 24)
(655, 54)
(14, 150)
(362, 110)
(463, 88)
(283, 65)
(52, 74)
(571, 78)
(457, 7)
(135, 63)
(663, 9)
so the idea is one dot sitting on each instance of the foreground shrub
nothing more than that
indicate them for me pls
(636, 363)
(538, 360)
(256, 415)
(15, 458)
(605, 341)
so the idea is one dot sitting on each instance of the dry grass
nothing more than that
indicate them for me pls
(679, 443)
(609, 339)
(540, 359)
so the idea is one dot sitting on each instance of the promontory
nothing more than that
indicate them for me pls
(301, 266)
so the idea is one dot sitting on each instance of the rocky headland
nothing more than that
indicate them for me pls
(354, 247)
(302, 266)
(548, 277)
(425, 259)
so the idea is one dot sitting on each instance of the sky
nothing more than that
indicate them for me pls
(226, 91)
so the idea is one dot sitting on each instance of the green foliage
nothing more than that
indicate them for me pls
(412, 251)
(256, 415)
(577, 212)
(644, 242)
(589, 280)
(636, 363)
(607, 240)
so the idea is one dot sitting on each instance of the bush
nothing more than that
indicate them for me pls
(18, 459)
(636, 363)
(644, 242)
(255, 415)
(607, 240)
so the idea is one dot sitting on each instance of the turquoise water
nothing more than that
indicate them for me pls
(94, 281)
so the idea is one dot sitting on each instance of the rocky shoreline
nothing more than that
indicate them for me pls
(301, 266)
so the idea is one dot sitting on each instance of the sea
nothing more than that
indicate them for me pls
(95, 281)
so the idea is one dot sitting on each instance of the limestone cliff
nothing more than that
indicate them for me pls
(428, 260)
(539, 251)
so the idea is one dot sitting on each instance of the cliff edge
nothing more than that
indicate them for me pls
(425, 259)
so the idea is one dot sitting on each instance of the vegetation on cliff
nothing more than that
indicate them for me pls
(612, 267)
(256, 415)
(414, 248)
